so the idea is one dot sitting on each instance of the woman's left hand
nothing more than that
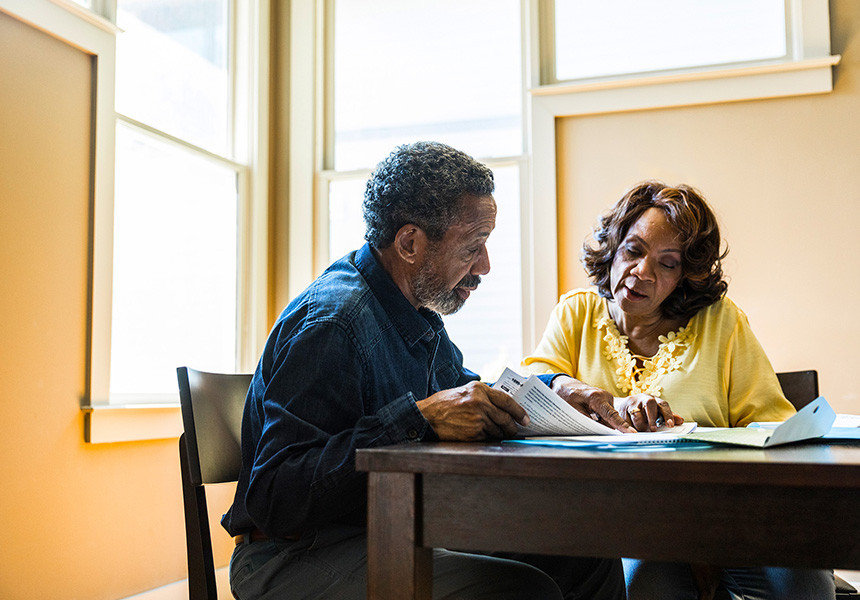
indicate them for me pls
(646, 412)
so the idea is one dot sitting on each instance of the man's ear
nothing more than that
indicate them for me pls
(410, 243)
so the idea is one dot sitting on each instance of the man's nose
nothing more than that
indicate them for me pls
(482, 264)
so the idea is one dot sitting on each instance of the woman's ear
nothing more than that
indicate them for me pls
(410, 243)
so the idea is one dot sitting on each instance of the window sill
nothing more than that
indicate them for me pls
(106, 424)
(768, 80)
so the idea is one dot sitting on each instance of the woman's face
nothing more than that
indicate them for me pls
(647, 265)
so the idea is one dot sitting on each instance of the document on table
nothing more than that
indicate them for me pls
(812, 421)
(551, 416)
(846, 421)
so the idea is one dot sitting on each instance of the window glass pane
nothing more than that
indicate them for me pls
(172, 68)
(488, 329)
(346, 221)
(611, 37)
(175, 266)
(443, 70)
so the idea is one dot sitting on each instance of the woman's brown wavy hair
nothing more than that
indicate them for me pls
(701, 253)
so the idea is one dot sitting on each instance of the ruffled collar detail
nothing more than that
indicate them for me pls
(633, 379)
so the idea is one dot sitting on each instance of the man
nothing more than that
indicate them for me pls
(361, 359)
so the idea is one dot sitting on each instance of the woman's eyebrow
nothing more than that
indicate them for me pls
(635, 238)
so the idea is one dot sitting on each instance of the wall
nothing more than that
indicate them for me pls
(79, 520)
(783, 177)
(105, 521)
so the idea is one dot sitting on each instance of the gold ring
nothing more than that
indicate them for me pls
(630, 411)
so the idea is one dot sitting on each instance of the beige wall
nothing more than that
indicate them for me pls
(79, 520)
(783, 176)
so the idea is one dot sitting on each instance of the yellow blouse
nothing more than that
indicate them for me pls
(713, 371)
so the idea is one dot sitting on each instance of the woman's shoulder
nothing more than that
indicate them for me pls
(580, 305)
(723, 313)
(583, 296)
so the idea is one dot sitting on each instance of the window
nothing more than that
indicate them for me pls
(442, 70)
(663, 35)
(175, 277)
(583, 41)
(180, 231)
(447, 69)
(177, 203)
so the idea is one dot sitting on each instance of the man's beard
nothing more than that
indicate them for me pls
(431, 292)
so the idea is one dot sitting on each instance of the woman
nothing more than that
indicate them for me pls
(658, 328)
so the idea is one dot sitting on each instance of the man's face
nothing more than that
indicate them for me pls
(454, 265)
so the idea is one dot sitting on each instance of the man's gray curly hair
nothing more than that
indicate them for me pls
(423, 184)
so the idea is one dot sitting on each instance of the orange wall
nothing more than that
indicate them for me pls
(79, 520)
(783, 176)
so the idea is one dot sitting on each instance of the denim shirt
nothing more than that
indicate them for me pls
(342, 369)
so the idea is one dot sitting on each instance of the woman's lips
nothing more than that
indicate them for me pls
(633, 294)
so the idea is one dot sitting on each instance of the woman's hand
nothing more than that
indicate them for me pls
(646, 412)
(590, 401)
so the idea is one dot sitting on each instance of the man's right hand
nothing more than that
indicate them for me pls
(591, 401)
(472, 412)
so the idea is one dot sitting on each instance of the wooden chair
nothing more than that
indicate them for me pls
(209, 452)
(801, 388)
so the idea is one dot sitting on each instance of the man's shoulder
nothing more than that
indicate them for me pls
(338, 294)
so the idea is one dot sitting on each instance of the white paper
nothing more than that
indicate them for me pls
(847, 421)
(549, 414)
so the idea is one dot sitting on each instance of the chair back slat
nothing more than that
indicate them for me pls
(212, 405)
(799, 387)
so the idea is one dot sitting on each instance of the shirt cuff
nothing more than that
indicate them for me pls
(548, 378)
(403, 422)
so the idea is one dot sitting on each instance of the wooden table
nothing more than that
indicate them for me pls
(790, 506)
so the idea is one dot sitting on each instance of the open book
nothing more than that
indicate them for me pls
(551, 416)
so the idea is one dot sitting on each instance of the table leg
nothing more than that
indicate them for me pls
(397, 567)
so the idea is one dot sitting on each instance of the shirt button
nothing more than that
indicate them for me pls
(412, 434)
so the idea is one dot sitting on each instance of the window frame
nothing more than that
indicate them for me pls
(807, 37)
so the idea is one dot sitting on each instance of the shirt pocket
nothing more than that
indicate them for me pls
(445, 377)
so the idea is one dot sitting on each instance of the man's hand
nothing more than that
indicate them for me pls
(645, 412)
(473, 412)
(591, 401)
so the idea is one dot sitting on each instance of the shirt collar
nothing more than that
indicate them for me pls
(413, 324)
